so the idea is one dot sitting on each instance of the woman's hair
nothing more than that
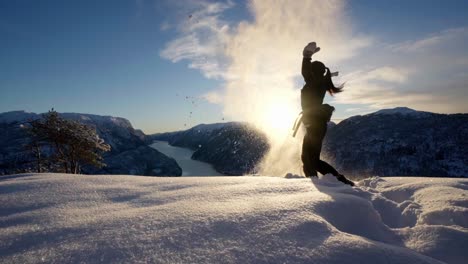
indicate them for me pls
(320, 70)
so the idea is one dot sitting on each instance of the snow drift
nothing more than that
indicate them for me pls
(57, 218)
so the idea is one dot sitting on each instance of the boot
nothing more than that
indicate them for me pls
(344, 180)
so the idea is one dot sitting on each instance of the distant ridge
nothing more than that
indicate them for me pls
(400, 110)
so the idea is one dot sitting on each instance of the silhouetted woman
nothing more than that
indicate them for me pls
(315, 114)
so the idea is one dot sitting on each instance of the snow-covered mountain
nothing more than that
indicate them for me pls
(57, 218)
(232, 148)
(400, 141)
(129, 153)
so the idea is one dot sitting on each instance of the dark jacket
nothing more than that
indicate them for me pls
(313, 92)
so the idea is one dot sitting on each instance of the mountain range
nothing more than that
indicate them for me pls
(399, 141)
(389, 142)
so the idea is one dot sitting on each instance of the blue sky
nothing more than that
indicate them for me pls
(169, 65)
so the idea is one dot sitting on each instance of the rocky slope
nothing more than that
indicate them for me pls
(400, 141)
(129, 153)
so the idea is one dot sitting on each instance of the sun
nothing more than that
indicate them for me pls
(279, 119)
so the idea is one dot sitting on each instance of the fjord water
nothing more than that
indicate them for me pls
(183, 156)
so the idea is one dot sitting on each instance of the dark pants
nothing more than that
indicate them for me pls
(311, 148)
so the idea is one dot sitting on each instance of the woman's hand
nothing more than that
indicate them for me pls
(310, 49)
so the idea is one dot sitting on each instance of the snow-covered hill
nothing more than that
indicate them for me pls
(400, 141)
(129, 152)
(56, 218)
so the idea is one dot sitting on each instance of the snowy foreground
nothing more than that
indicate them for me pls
(54, 218)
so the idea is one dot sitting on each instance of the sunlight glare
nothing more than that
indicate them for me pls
(279, 118)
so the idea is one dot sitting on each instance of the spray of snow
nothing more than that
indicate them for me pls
(266, 57)
(260, 62)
